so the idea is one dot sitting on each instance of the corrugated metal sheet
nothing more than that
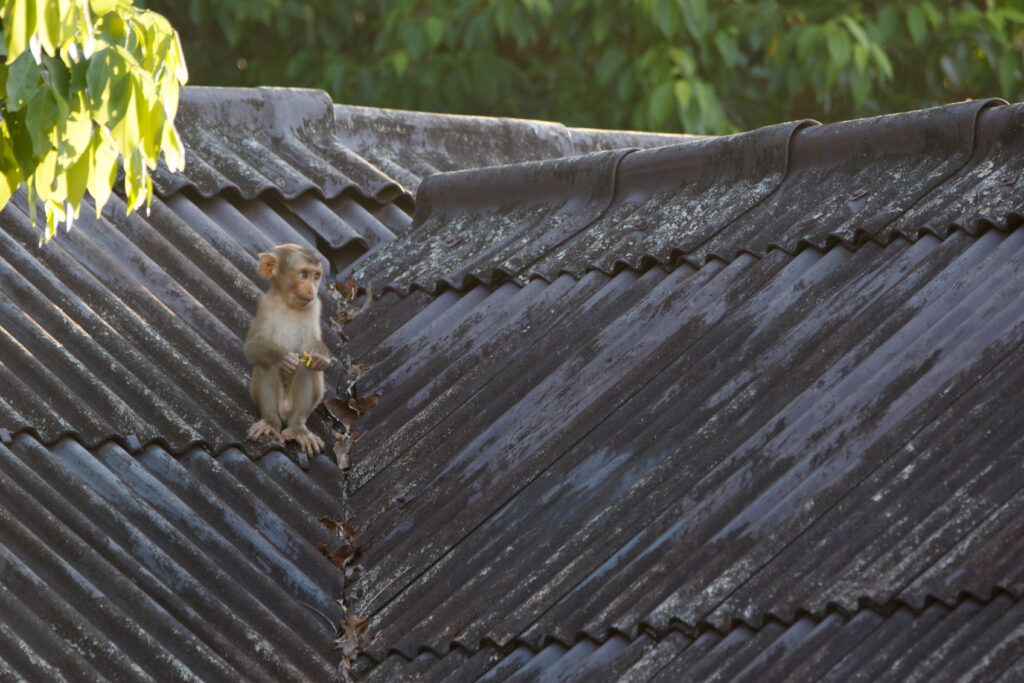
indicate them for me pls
(411, 146)
(162, 561)
(783, 186)
(133, 325)
(972, 641)
(251, 140)
(148, 566)
(601, 466)
(737, 443)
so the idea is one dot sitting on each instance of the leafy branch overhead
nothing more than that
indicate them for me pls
(84, 83)
(697, 66)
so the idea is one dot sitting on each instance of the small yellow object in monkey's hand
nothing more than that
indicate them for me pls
(309, 358)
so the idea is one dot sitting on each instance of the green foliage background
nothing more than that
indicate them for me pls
(699, 66)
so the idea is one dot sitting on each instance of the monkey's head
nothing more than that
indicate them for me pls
(295, 273)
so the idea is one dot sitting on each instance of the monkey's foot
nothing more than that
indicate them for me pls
(309, 443)
(261, 429)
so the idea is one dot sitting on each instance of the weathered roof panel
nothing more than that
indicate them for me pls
(152, 567)
(411, 146)
(738, 407)
(792, 185)
(133, 325)
(937, 643)
(253, 140)
(714, 443)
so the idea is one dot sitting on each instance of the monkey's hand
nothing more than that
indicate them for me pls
(290, 362)
(315, 361)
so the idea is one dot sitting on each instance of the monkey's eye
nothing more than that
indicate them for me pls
(316, 276)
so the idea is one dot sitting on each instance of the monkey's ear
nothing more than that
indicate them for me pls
(268, 266)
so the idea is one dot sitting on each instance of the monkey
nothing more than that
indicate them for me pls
(285, 346)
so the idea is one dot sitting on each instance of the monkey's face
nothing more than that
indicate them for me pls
(304, 282)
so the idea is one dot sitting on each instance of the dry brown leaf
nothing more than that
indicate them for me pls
(332, 525)
(363, 405)
(341, 411)
(354, 634)
(340, 555)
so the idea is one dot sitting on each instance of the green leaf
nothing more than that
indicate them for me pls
(666, 17)
(1009, 71)
(807, 42)
(399, 62)
(134, 180)
(60, 75)
(683, 93)
(860, 86)
(661, 103)
(49, 26)
(839, 47)
(19, 18)
(860, 57)
(728, 48)
(917, 24)
(610, 64)
(10, 173)
(102, 169)
(434, 29)
(41, 117)
(101, 7)
(856, 30)
(78, 180)
(695, 14)
(174, 153)
(23, 80)
(882, 60)
(126, 131)
(109, 85)
(934, 15)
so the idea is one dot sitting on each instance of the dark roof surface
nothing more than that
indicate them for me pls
(149, 565)
(806, 445)
(739, 407)
(143, 538)
(783, 186)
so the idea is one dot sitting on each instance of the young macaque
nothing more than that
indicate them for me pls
(285, 345)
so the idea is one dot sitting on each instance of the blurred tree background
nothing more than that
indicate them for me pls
(697, 66)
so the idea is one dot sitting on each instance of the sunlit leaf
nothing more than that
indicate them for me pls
(19, 19)
(103, 168)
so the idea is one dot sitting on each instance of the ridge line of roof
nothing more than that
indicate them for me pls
(486, 218)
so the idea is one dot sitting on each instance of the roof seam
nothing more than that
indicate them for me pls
(677, 258)
(694, 631)
(131, 444)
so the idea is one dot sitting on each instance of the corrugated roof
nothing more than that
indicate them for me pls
(148, 566)
(699, 447)
(411, 146)
(783, 186)
(725, 405)
(133, 325)
(937, 643)
(251, 141)
(156, 548)
(818, 424)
